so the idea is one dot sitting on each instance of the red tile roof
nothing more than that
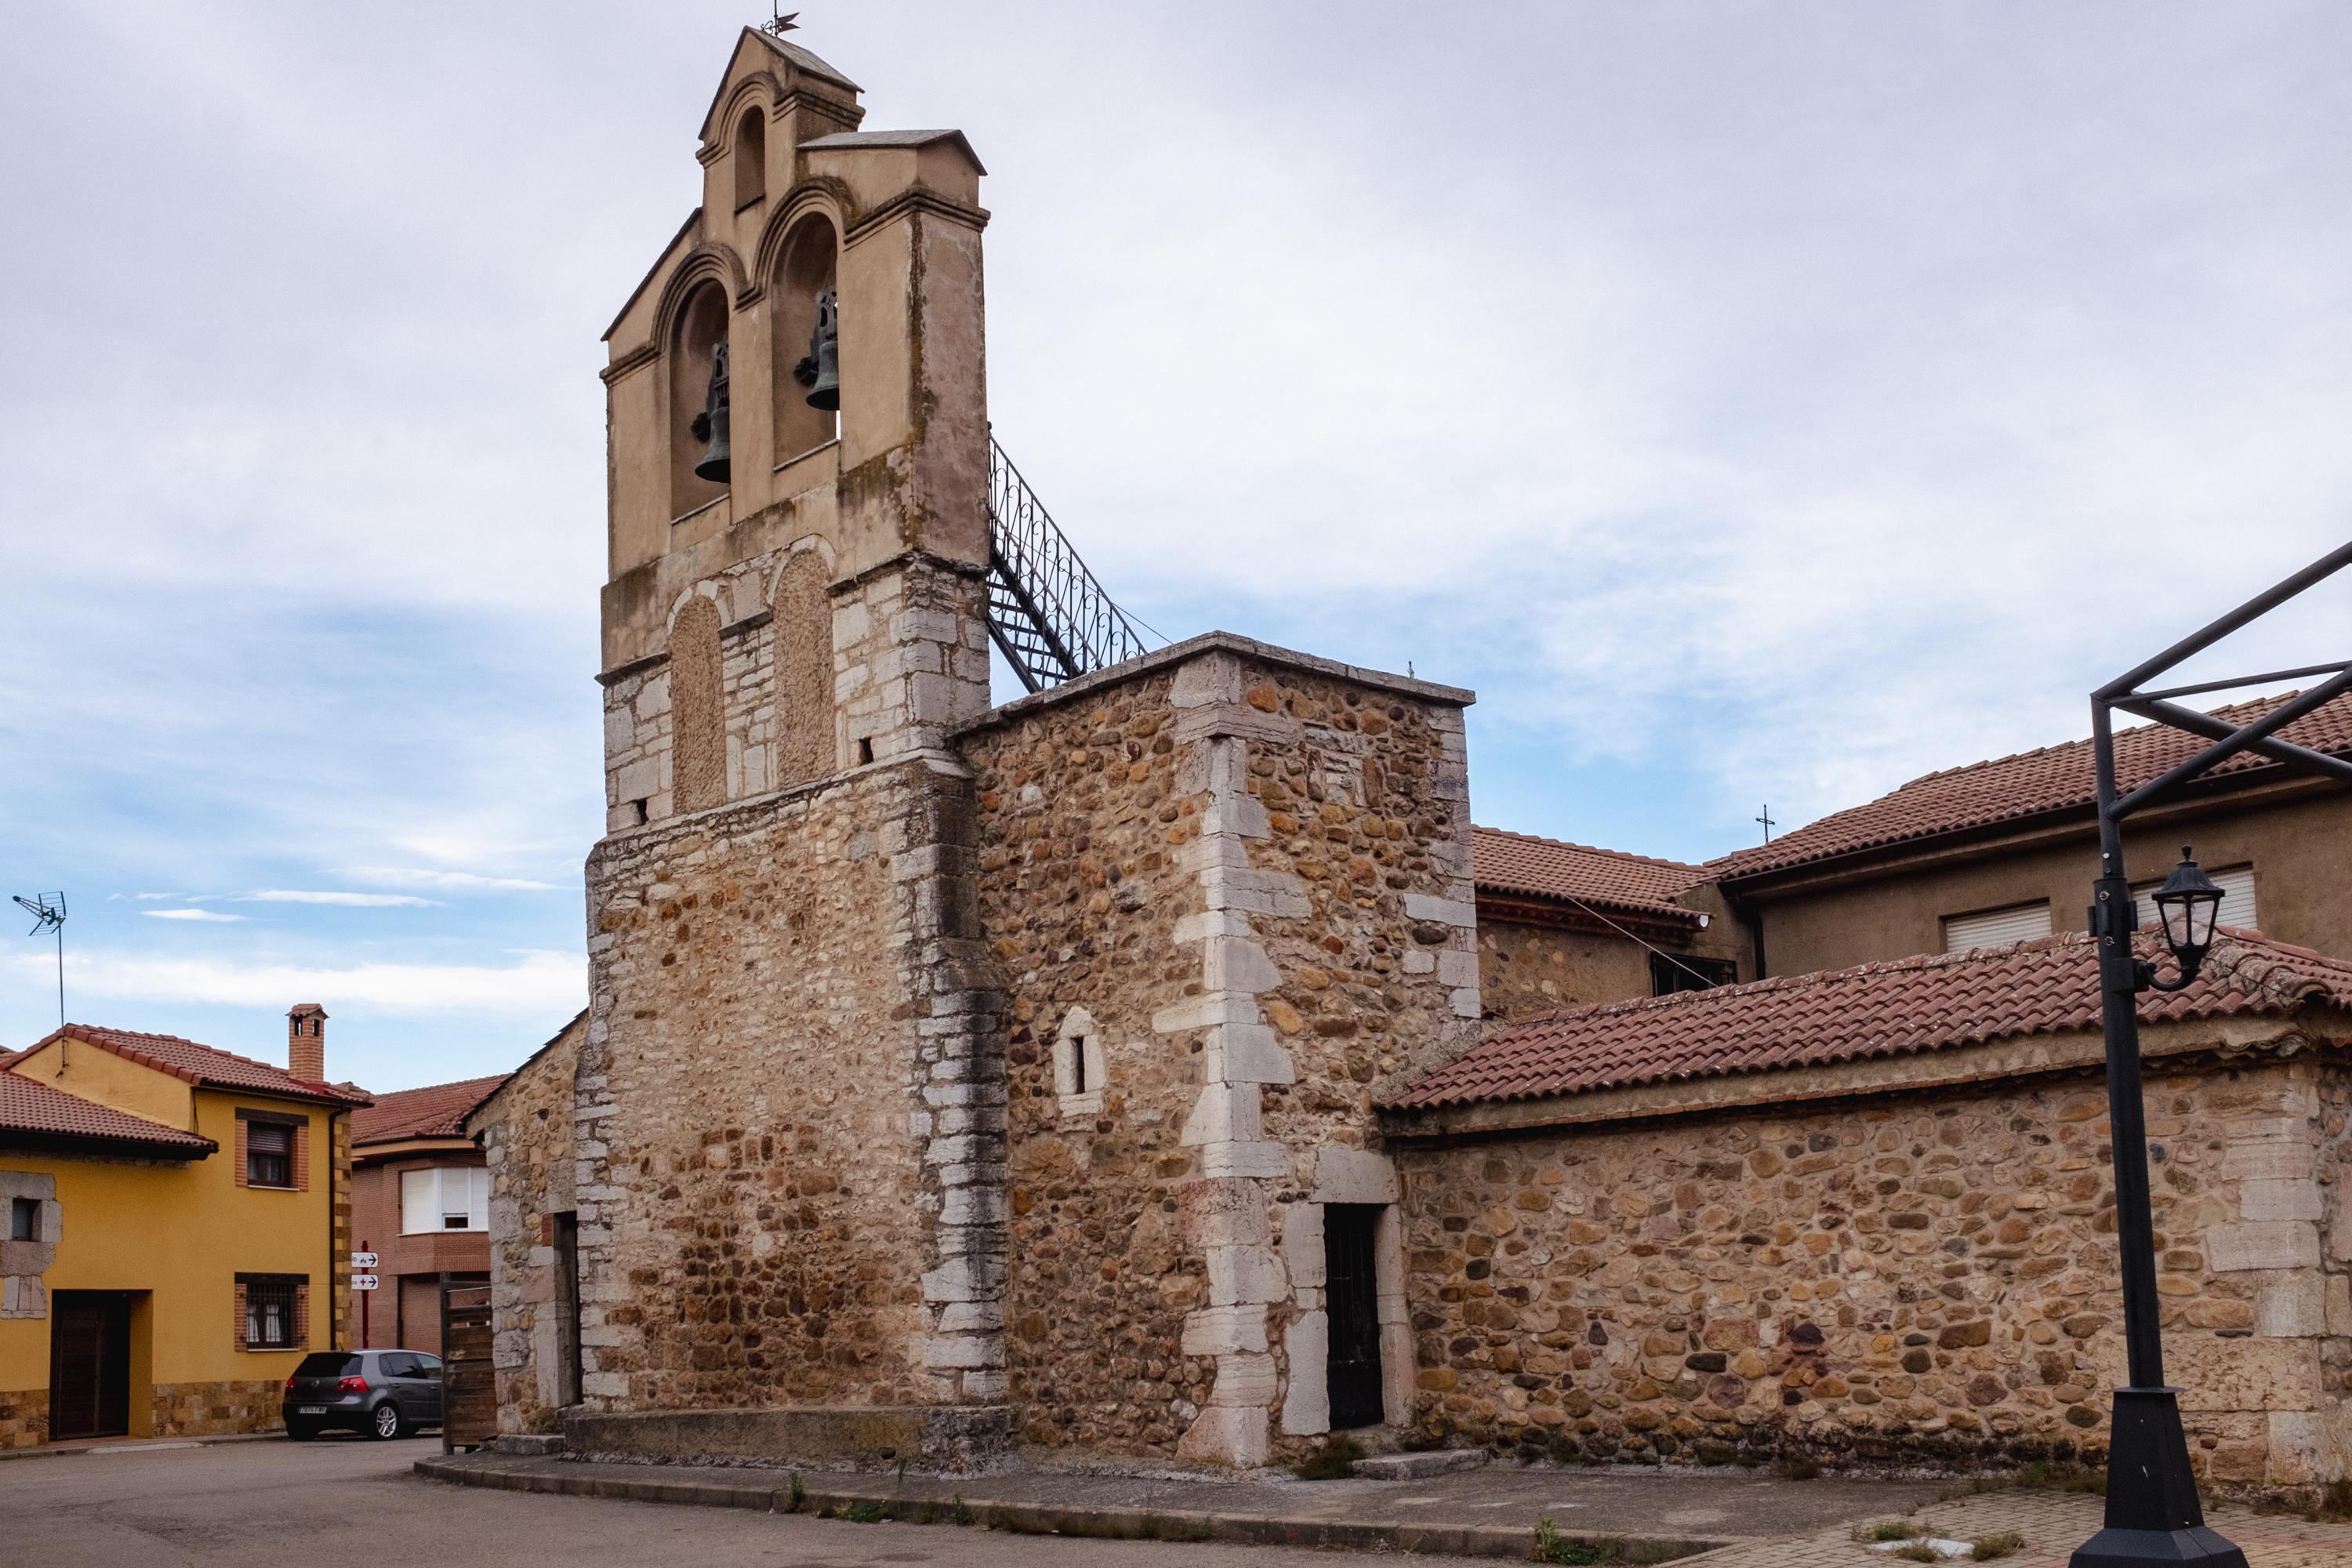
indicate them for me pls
(1911, 1005)
(197, 1064)
(2055, 778)
(437, 1110)
(1547, 868)
(31, 1112)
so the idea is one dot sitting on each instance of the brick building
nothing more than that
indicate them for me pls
(421, 1203)
(1110, 1070)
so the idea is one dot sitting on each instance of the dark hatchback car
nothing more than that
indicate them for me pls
(384, 1394)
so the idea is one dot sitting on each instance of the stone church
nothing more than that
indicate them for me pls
(1107, 1070)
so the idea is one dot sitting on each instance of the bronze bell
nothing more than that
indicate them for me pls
(711, 424)
(824, 350)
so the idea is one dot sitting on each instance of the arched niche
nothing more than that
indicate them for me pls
(802, 640)
(804, 268)
(751, 156)
(698, 698)
(698, 329)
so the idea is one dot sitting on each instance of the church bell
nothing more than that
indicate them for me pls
(711, 424)
(824, 350)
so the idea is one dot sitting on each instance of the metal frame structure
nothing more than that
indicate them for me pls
(2153, 1515)
(1047, 614)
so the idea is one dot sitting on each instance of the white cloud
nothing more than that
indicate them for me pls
(410, 877)
(189, 915)
(538, 984)
(348, 900)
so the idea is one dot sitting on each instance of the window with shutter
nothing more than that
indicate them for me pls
(444, 1197)
(1997, 928)
(269, 1154)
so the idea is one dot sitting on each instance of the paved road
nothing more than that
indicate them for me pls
(334, 1503)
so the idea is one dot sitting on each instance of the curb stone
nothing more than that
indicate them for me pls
(1117, 1523)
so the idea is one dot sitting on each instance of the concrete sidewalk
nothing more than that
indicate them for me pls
(2050, 1525)
(1487, 1513)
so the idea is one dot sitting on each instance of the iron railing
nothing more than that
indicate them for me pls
(1047, 614)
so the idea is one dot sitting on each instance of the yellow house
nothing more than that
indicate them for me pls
(178, 1219)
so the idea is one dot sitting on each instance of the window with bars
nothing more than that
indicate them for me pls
(269, 1154)
(270, 1313)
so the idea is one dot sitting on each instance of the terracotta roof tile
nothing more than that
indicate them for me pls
(1547, 867)
(1901, 1008)
(2055, 778)
(30, 1108)
(204, 1065)
(437, 1110)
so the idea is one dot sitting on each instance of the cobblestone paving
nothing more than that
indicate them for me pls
(2052, 1524)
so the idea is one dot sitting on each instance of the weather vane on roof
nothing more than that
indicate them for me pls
(782, 21)
(48, 913)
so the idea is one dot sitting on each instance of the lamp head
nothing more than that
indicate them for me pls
(2188, 905)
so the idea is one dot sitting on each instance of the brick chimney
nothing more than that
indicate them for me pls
(306, 1042)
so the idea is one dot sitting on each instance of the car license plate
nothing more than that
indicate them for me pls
(309, 1410)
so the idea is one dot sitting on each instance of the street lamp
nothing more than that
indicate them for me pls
(2153, 1516)
(2187, 906)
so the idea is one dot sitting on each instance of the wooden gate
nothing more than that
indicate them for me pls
(469, 1389)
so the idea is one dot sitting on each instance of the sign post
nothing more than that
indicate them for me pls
(366, 1285)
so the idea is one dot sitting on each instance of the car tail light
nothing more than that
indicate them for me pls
(290, 1383)
(352, 1385)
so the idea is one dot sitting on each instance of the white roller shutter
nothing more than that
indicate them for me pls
(2237, 885)
(1997, 928)
(420, 1201)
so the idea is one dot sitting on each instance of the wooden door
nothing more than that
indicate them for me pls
(1353, 1303)
(89, 1365)
(469, 1391)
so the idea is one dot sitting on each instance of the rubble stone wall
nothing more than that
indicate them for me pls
(1526, 969)
(745, 1174)
(1927, 1274)
(1244, 881)
(527, 1143)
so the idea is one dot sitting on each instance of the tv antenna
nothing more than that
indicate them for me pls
(48, 913)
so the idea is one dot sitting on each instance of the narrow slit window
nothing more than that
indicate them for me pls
(24, 1219)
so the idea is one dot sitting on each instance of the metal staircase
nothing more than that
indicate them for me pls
(1047, 614)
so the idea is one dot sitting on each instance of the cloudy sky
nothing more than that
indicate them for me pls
(1753, 402)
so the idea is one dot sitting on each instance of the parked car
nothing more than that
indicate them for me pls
(384, 1394)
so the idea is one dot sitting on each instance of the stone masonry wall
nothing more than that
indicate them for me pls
(1527, 969)
(209, 1409)
(745, 1171)
(1917, 1275)
(527, 1144)
(24, 1418)
(1247, 882)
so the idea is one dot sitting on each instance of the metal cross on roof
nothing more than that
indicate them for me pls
(1768, 824)
(782, 22)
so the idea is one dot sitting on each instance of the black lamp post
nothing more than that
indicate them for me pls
(2153, 1516)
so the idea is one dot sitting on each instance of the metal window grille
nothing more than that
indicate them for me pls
(269, 1314)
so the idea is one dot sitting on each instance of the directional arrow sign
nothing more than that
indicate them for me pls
(362, 1259)
(363, 1281)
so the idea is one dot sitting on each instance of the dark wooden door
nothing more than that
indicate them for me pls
(1352, 1293)
(470, 1392)
(89, 1365)
(567, 1304)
